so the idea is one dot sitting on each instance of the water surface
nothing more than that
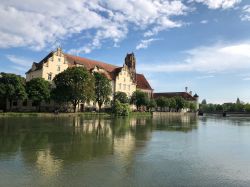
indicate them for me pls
(145, 151)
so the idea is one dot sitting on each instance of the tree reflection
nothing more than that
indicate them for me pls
(51, 143)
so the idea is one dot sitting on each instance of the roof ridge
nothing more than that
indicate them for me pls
(84, 58)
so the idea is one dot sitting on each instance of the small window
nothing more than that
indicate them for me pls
(50, 76)
(33, 103)
(15, 103)
(124, 87)
(120, 86)
(124, 79)
(58, 68)
(59, 60)
(25, 103)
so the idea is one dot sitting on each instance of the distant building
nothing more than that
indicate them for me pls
(122, 78)
(185, 95)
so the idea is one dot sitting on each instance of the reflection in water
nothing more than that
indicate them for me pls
(156, 151)
(182, 122)
(47, 164)
(51, 143)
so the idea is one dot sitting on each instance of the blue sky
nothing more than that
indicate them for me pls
(201, 44)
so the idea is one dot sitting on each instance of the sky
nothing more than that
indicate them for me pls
(200, 44)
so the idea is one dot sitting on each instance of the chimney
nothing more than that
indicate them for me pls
(186, 89)
(191, 93)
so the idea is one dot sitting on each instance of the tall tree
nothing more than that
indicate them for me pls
(180, 103)
(12, 87)
(103, 89)
(172, 103)
(74, 85)
(161, 102)
(121, 97)
(38, 90)
(151, 104)
(139, 99)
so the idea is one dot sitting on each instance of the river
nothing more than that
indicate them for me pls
(141, 151)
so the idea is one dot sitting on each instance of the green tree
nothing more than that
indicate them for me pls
(151, 104)
(74, 85)
(12, 87)
(103, 89)
(162, 102)
(180, 103)
(192, 106)
(139, 99)
(122, 97)
(121, 109)
(172, 103)
(38, 90)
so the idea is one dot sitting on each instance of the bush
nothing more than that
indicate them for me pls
(121, 109)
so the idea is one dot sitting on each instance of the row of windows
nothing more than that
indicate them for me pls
(25, 103)
(124, 87)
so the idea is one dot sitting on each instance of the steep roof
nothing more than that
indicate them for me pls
(39, 65)
(184, 95)
(89, 64)
(142, 83)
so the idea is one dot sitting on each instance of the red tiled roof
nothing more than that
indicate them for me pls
(142, 83)
(89, 64)
(184, 95)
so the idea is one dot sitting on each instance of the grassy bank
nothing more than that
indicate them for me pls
(42, 114)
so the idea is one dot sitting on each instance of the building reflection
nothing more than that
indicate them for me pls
(51, 144)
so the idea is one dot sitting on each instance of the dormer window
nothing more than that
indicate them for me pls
(59, 60)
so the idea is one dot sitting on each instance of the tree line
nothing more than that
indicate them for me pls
(238, 106)
(77, 85)
(74, 85)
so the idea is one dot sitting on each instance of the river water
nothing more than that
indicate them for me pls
(143, 151)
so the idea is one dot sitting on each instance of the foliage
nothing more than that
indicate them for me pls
(74, 85)
(192, 106)
(38, 90)
(103, 89)
(122, 97)
(162, 102)
(121, 109)
(12, 87)
(226, 107)
(180, 103)
(151, 104)
(139, 99)
(172, 103)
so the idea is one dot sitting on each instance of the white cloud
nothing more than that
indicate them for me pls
(18, 64)
(215, 4)
(245, 13)
(39, 24)
(204, 21)
(210, 59)
(20, 61)
(246, 79)
(205, 77)
(145, 43)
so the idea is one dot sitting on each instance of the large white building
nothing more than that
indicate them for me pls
(122, 78)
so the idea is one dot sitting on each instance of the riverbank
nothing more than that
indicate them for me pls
(227, 114)
(41, 114)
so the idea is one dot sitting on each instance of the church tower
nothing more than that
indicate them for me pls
(130, 62)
